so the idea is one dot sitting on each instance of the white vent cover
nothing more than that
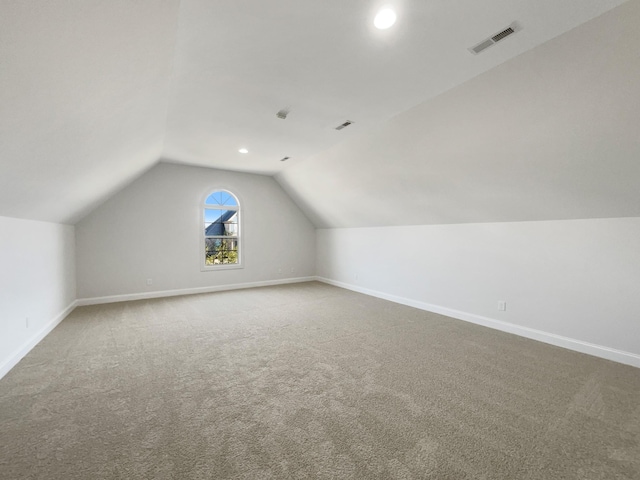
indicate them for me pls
(492, 40)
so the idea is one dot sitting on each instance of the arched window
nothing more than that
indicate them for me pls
(221, 230)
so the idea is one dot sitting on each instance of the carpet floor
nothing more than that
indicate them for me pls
(309, 381)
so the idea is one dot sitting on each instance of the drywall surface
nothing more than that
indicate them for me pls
(37, 283)
(327, 63)
(576, 278)
(549, 135)
(83, 100)
(152, 230)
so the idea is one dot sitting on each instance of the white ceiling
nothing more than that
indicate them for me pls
(239, 62)
(551, 134)
(85, 88)
(83, 97)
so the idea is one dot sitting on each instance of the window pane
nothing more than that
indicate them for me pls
(211, 215)
(221, 251)
(230, 229)
(228, 199)
(220, 222)
(221, 199)
(213, 199)
(221, 228)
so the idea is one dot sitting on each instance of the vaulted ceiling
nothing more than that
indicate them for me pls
(539, 126)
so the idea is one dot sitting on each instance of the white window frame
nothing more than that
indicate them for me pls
(201, 223)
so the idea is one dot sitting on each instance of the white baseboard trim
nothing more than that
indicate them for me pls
(19, 354)
(619, 356)
(188, 291)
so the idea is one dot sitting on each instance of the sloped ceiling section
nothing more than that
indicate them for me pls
(550, 134)
(83, 96)
(92, 93)
(240, 62)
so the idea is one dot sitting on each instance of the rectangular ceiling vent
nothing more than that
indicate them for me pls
(344, 125)
(505, 33)
(489, 42)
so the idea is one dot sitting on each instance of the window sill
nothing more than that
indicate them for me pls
(215, 268)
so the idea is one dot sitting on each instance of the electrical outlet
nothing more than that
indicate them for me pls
(356, 276)
(502, 306)
(149, 281)
(293, 269)
(26, 322)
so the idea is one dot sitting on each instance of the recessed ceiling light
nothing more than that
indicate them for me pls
(385, 18)
(243, 150)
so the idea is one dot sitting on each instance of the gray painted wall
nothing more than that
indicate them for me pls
(152, 229)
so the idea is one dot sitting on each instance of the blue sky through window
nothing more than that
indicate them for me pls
(221, 198)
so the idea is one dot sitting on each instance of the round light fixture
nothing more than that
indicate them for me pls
(385, 18)
(243, 150)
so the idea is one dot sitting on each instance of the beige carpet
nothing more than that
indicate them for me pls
(309, 381)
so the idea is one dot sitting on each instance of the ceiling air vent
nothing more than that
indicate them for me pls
(489, 42)
(505, 33)
(282, 114)
(344, 125)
